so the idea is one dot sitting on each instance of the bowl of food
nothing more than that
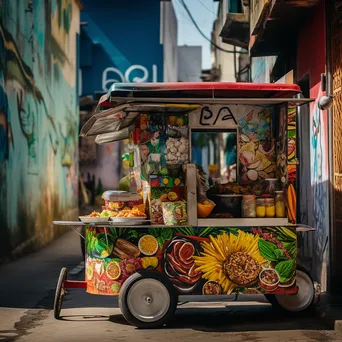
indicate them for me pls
(269, 279)
(211, 288)
(241, 268)
(148, 245)
(205, 208)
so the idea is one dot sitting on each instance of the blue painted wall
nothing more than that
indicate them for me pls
(123, 36)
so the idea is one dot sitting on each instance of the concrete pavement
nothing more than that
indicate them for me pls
(27, 290)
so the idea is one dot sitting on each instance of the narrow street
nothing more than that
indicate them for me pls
(27, 292)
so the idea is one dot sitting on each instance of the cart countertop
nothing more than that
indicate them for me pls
(299, 228)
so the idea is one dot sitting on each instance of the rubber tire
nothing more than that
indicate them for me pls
(59, 294)
(124, 293)
(273, 300)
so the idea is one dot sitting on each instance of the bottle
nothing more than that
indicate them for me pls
(260, 208)
(279, 204)
(270, 207)
(248, 206)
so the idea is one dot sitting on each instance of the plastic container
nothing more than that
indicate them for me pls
(260, 207)
(279, 204)
(119, 200)
(270, 207)
(248, 206)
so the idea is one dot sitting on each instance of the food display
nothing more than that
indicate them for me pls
(158, 196)
(279, 204)
(204, 259)
(260, 208)
(269, 207)
(248, 206)
(174, 213)
(177, 150)
(128, 213)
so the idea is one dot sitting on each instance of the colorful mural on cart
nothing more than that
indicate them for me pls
(257, 146)
(196, 260)
(38, 118)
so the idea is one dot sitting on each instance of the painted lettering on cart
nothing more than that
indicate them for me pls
(223, 114)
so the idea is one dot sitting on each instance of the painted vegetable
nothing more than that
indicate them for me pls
(292, 203)
(125, 249)
(150, 262)
(286, 269)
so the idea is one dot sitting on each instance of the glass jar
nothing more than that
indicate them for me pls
(248, 206)
(270, 207)
(260, 207)
(279, 204)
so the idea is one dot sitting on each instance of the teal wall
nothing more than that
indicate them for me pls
(39, 119)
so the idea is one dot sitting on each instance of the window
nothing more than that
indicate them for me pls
(216, 152)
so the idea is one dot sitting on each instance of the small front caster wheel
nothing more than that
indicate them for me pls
(148, 300)
(60, 292)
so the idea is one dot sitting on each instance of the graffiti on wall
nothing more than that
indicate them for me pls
(38, 113)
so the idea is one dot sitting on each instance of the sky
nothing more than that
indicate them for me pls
(204, 13)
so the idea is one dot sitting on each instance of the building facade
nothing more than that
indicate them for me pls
(121, 41)
(189, 63)
(230, 59)
(308, 48)
(39, 119)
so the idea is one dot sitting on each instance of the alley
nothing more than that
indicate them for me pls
(27, 290)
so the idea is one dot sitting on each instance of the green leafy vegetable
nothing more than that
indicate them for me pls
(267, 250)
(162, 235)
(285, 269)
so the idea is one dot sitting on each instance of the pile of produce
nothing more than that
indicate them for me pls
(177, 150)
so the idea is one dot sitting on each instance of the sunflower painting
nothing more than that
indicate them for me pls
(233, 261)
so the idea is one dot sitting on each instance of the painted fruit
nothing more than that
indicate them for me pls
(90, 272)
(113, 270)
(115, 287)
(185, 252)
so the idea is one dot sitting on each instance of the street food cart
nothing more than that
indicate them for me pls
(212, 204)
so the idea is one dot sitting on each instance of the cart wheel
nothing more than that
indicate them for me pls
(60, 292)
(148, 300)
(299, 302)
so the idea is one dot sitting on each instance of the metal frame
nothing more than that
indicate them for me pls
(237, 101)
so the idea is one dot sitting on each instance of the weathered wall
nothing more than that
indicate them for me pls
(38, 119)
(311, 61)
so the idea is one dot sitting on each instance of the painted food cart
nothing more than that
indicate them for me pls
(212, 204)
